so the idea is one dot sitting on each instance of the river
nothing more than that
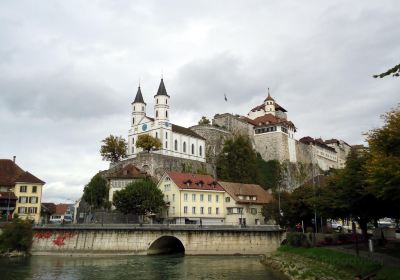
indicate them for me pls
(135, 267)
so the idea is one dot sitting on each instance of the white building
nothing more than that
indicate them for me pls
(177, 141)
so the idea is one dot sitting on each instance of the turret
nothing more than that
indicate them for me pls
(138, 108)
(269, 104)
(161, 101)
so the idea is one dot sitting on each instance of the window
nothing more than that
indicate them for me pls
(33, 199)
(200, 151)
(21, 210)
(167, 187)
(167, 198)
(22, 188)
(173, 197)
(166, 101)
(32, 210)
(240, 210)
(156, 114)
(202, 197)
(192, 149)
(176, 145)
(157, 100)
(185, 209)
(202, 210)
(23, 199)
(184, 147)
(166, 135)
(142, 108)
(134, 108)
(217, 198)
(156, 134)
(227, 199)
(217, 211)
(166, 144)
(166, 114)
(133, 120)
(193, 210)
(133, 149)
(253, 211)
(194, 197)
(34, 189)
(185, 197)
(209, 210)
(209, 198)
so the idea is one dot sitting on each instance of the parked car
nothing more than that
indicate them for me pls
(335, 225)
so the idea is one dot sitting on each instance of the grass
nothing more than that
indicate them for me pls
(342, 261)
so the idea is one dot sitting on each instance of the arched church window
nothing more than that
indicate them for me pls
(192, 149)
(166, 145)
(166, 101)
(133, 120)
(166, 135)
(157, 100)
(166, 114)
(184, 147)
(176, 145)
(200, 151)
(134, 109)
(142, 108)
(156, 114)
(156, 134)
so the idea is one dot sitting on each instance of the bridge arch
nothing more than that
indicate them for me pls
(166, 245)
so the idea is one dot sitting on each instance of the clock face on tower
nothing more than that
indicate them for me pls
(144, 127)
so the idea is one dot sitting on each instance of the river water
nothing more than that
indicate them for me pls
(136, 267)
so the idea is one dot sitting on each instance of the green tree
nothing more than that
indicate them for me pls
(204, 121)
(113, 148)
(237, 161)
(96, 192)
(395, 71)
(148, 143)
(383, 164)
(270, 173)
(16, 236)
(140, 198)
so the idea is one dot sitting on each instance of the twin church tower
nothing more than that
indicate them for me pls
(176, 140)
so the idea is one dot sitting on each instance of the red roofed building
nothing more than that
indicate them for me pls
(192, 198)
(26, 187)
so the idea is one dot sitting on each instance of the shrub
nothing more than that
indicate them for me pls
(16, 236)
(297, 239)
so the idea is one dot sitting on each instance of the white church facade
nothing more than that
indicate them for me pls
(177, 141)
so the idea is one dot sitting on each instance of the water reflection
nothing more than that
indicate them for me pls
(135, 267)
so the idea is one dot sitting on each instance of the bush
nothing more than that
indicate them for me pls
(16, 236)
(297, 239)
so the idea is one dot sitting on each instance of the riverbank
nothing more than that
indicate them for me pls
(322, 263)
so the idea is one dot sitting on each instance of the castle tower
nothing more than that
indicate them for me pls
(161, 101)
(269, 104)
(138, 108)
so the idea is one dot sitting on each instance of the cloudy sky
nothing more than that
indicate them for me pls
(70, 69)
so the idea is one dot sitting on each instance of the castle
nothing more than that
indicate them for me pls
(267, 125)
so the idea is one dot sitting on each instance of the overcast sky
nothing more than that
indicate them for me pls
(69, 71)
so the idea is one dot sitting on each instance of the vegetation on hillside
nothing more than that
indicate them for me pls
(16, 236)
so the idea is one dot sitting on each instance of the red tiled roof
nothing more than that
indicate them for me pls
(27, 177)
(268, 119)
(9, 172)
(128, 171)
(194, 181)
(262, 107)
(8, 195)
(61, 208)
(48, 207)
(319, 142)
(238, 189)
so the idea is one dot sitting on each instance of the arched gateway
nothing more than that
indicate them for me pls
(166, 245)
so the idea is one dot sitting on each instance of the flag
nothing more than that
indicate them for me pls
(226, 99)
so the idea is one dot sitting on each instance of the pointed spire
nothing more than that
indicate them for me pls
(269, 96)
(139, 96)
(161, 89)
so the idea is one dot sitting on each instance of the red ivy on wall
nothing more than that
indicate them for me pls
(58, 241)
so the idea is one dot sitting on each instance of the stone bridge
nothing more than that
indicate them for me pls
(156, 239)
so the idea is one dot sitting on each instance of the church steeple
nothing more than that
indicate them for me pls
(269, 103)
(139, 97)
(161, 89)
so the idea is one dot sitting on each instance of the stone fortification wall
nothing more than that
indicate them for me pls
(157, 164)
(233, 124)
(272, 146)
(304, 152)
(138, 241)
(215, 139)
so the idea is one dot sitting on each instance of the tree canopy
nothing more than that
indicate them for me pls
(96, 192)
(140, 198)
(204, 121)
(113, 149)
(148, 142)
(395, 72)
(237, 161)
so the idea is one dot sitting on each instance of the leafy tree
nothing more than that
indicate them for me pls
(204, 121)
(270, 173)
(237, 161)
(16, 236)
(148, 143)
(395, 71)
(113, 148)
(383, 165)
(96, 192)
(140, 197)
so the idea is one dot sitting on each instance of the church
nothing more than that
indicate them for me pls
(177, 141)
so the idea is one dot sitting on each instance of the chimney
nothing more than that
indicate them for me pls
(14, 157)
